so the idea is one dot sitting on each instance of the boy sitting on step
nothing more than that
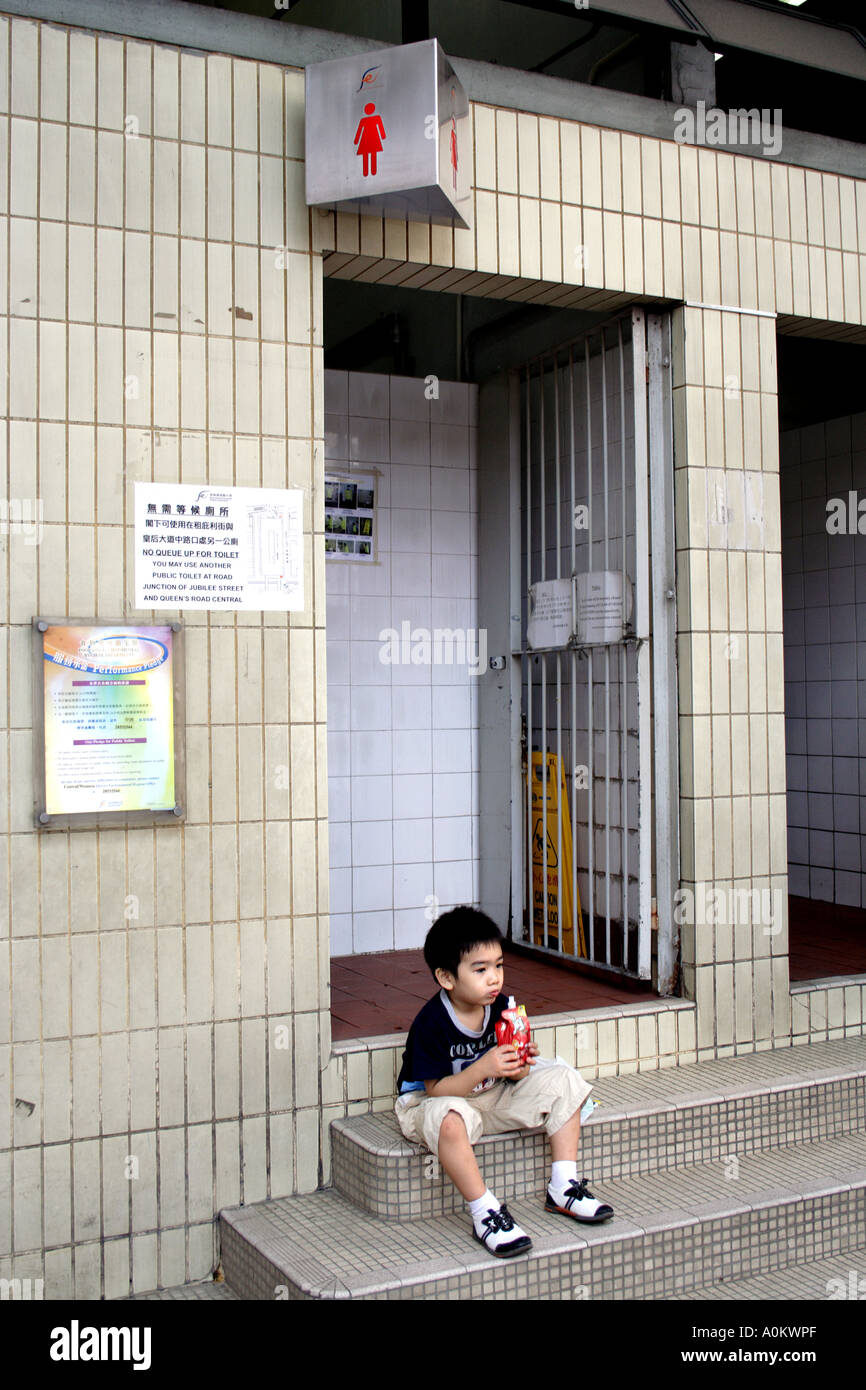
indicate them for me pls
(456, 1083)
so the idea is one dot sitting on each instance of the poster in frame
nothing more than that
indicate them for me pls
(108, 721)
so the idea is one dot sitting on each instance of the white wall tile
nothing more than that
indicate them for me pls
(410, 443)
(369, 395)
(410, 929)
(369, 440)
(408, 399)
(371, 889)
(371, 844)
(367, 619)
(410, 575)
(411, 707)
(449, 446)
(413, 751)
(451, 708)
(413, 796)
(452, 533)
(410, 489)
(452, 794)
(413, 884)
(452, 838)
(454, 882)
(373, 931)
(371, 753)
(413, 842)
(450, 491)
(451, 576)
(372, 798)
(452, 751)
(341, 933)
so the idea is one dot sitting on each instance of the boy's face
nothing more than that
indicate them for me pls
(479, 976)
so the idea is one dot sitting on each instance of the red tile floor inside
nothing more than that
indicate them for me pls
(825, 939)
(382, 993)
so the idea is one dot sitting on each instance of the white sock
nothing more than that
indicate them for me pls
(481, 1206)
(563, 1172)
(504, 1236)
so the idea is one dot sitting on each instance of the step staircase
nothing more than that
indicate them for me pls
(727, 1178)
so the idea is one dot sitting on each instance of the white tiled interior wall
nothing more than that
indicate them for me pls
(824, 583)
(402, 738)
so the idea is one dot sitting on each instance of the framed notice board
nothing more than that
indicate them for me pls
(108, 723)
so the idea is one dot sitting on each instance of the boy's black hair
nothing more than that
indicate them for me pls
(454, 935)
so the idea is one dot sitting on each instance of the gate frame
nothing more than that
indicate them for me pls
(655, 595)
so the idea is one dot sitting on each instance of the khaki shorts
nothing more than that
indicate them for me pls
(548, 1096)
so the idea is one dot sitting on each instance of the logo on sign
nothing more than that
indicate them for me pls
(370, 76)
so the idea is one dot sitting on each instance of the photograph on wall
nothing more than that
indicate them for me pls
(350, 508)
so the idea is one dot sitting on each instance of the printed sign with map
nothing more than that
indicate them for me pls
(218, 547)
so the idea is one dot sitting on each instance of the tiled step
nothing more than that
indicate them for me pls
(646, 1122)
(674, 1231)
(203, 1290)
(839, 1277)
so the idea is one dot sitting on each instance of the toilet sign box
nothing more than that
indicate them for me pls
(388, 133)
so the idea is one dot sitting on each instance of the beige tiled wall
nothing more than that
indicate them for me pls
(733, 820)
(161, 1057)
(568, 208)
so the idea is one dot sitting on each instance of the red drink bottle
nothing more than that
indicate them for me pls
(513, 1028)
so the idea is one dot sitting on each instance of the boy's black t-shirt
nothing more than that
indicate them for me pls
(439, 1046)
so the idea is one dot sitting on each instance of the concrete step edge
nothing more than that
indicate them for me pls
(352, 1126)
(268, 1232)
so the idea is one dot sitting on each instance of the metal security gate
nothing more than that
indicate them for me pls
(596, 844)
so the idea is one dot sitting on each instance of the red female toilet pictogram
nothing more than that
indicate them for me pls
(453, 144)
(370, 129)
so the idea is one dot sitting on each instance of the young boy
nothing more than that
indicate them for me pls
(456, 1083)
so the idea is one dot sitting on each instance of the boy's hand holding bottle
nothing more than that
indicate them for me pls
(513, 1032)
(504, 1062)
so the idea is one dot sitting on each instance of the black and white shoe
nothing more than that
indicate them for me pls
(579, 1202)
(502, 1236)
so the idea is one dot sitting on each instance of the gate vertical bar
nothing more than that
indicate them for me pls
(590, 693)
(526, 661)
(623, 659)
(518, 865)
(572, 779)
(604, 450)
(664, 647)
(543, 465)
(561, 887)
(642, 633)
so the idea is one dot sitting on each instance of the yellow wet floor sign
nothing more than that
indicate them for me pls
(559, 876)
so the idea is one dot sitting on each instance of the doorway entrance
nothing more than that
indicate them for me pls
(409, 639)
(822, 480)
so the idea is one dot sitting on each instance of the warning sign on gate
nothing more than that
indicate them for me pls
(549, 792)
